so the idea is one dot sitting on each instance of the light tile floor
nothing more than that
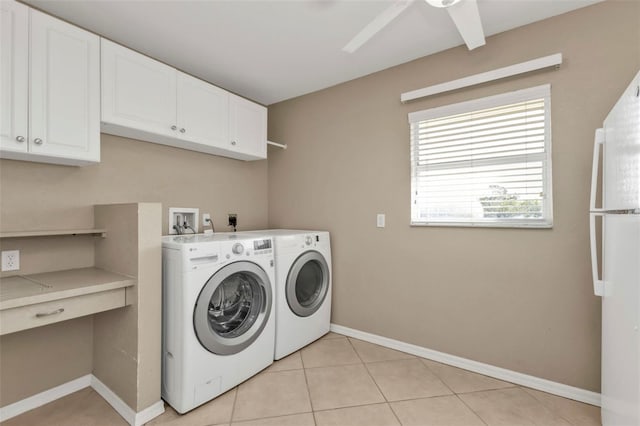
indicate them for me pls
(340, 381)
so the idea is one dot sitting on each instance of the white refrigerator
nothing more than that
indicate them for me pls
(617, 145)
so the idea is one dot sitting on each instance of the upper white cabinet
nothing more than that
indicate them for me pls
(248, 126)
(203, 112)
(50, 99)
(137, 91)
(14, 89)
(148, 100)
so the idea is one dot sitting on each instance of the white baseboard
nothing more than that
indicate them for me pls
(132, 417)
(149, 413)
(42, 398)
(533, 382)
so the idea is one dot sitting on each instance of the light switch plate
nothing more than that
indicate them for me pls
(380, 220)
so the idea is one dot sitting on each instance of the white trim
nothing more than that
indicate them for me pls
(127, 413)
(497, 74)
(43, 398)
(149, 413)
(50, 395)
(515, 96)
(533, 382)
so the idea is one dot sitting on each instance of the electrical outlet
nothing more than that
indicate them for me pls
(205, 219)
(233, 220)
(380, 219)
(11, 260)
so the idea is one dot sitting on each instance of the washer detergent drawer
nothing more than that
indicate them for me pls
(39, 314)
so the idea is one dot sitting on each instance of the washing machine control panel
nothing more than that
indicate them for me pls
(262, 244)
(237, 248)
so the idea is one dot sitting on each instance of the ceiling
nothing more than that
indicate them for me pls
(269, 50)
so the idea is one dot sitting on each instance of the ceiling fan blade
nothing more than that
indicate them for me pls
(467, 18)
(378, 23)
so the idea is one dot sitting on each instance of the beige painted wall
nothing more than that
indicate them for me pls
(514, 298)
(36, 360)
(41, 196)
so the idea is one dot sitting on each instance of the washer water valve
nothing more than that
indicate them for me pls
(183, 220)
(233, 220)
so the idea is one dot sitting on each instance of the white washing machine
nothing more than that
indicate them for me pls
(218, 314)
(303, 287)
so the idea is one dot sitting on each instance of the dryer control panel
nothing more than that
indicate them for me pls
(262, 245)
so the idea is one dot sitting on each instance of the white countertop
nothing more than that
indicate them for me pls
(18, 290)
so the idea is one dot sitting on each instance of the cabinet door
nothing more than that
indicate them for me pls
(248, 127)
(137, 92)
(203, 112)
(14, 75)
(64, 101)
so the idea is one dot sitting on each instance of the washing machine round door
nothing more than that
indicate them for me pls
(233, 308)
(307, 283)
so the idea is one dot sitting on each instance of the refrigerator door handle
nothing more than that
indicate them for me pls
(598, 284)
(597, 148)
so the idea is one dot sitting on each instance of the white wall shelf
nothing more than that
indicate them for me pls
(53, 233)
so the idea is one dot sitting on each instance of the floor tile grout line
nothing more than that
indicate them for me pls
(513, 385)
(488, 390)
(233, 407)
(438, 376)
(368, 372)
(326, 336)
(471, 409)
(351, 406)
(466, 371)
(306, 382)
(394, 413)
(332, 365)
(253, 419)
(551, 409)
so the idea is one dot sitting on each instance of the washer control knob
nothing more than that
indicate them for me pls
(308, 240)
(237, 248)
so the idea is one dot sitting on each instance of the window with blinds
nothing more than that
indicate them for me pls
(485, 162)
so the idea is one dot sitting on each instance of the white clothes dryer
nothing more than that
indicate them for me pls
(303, 287)
(218, 314)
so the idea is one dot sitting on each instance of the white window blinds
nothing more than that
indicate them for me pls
(485, 162)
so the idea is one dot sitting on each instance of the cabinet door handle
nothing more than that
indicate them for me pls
(174, 127)
(48, 314)
(182, 130)
(20, 139)
(37, 141)
(233, 142)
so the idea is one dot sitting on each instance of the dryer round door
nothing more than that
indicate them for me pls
(233, 308)
(307, 283)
